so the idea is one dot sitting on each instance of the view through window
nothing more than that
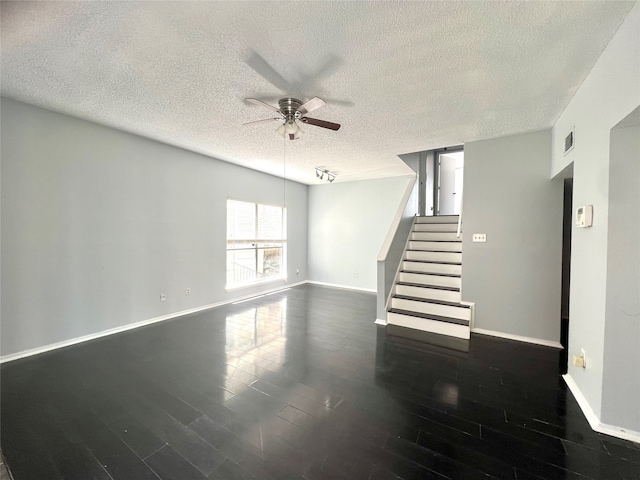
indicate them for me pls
(256, 243)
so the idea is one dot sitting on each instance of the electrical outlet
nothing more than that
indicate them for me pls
(163, 297)
(355, 274)
(479, 237)
(580, 360)
(297, 271)
(187, 291)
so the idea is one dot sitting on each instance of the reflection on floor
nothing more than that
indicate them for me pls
(4, 473)
(298, 384)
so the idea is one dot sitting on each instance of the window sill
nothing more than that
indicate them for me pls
(255, 284)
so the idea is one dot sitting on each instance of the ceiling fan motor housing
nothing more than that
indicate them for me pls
(289, 106)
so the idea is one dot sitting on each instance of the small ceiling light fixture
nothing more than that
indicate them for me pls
(320, 172)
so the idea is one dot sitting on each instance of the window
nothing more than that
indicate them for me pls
(256, 243)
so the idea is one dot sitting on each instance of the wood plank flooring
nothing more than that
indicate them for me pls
(298, 385)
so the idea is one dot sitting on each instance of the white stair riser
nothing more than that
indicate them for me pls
(432, 308)
(425, 279)
(428, 293)
(444, 246)
(442, 236)
(426, 325)
(434, 256)
(438, 219)
(435, 227)
(432, 268)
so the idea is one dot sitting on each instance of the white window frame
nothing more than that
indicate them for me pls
(255, 276)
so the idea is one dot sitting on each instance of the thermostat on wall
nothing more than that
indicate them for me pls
(584, 216)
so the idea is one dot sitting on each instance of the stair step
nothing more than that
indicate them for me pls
(425, 279)
(435, 227)
(435, 236)
(452, 275)
(433, 307)
(435, 287)
(429, 255)
(451, 268)
(410, 320)
(438, 219)
(439, 302)
(437, 318)
(438, 245)
(446, 294)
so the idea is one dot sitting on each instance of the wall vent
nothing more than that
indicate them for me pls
(569, 141)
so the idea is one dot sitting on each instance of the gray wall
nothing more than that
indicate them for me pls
(96, 223)
(621, 384)
(515, 278)
(347, 225)
(606, 96)
(388, 267)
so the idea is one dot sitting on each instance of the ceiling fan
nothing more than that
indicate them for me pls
(290, 110)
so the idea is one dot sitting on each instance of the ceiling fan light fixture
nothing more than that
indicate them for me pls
(290, 110)
(291, 126)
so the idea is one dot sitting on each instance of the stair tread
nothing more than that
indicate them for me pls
(438, 241)
(452, 275)
(429, 300)
(437, 251)
(435, 287)
(433, 261)
(431, 250)
(428, 316)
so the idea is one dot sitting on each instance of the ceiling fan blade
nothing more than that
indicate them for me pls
(311, 105)
(320, 123)
(266, 71)
(261, 103)
(266, 120)
(312, 79)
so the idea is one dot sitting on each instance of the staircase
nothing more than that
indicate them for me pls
(426, 293)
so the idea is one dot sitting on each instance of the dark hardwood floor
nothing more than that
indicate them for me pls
(298, 384)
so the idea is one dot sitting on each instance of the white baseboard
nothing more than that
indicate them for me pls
(536, 341)
(380, 321)
(130, 326)
(592, 418)
(344, 287)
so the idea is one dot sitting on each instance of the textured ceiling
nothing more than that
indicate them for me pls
(399, 76)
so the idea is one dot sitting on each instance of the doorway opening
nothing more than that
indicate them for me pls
(448, 175)
(567, 212)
